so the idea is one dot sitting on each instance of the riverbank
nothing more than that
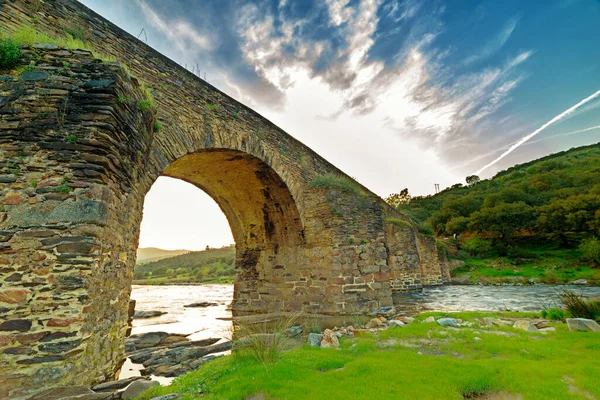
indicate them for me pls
(166, 281)
(423, 360)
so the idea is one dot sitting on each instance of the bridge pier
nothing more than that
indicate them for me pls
(80, 149)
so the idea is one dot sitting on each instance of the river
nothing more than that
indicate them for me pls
(215, 321)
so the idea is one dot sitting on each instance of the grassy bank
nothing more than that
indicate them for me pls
(417, 361)
(529, 263)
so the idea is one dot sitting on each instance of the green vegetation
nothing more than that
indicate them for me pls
(339, 182)
(213, 107)
(158, 126)
(399, 222)
(10, 53)
(210, 265)
(71, 139)
(578, 307)
(539, 220)
(419, 361)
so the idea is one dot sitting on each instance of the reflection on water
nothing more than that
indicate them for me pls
(486, 298)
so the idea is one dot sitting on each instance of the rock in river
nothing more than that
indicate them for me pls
(147, 314)
(201, 304)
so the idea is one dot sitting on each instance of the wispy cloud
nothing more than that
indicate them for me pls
(495, 43)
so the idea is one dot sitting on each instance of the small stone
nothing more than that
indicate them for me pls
(477, 339)
(98, 83)
(137, 388)
(45, 46)
(387, 311)
(315, 339)
(428, 320)
(201, 304)
(580, 282)
(448, 322)
(582, 324)
(147, 314)
(406, 320)
(394, 323)
(294, 331)
(330, 340)
(548, 329)
(375, 323)
(14, 296)
(525, 325)
(172, 396)
(8, 178)
(34, 76)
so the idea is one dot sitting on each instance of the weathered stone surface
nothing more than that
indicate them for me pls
(148, 314)
(525, 325)
(115, 385)
(20, 325)
(137, 388)
(34, 76)
(201, 304)
(14, 296)
(330, 340)
(582, 324)
(83, 212)
(70, 393)
(315, 339)
(448, 322)
(60, 347)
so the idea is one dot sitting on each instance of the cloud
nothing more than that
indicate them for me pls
(496, 43)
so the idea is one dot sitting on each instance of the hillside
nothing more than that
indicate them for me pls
(150, 254)
(539, 220)
(191, 267)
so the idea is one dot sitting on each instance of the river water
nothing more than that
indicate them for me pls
(215, 321)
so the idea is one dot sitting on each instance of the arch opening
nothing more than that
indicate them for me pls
(263, 217)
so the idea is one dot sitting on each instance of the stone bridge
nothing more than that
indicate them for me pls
(81, 143)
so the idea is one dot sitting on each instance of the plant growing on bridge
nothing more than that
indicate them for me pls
(10, 53)
(158, 126)
(335, 181)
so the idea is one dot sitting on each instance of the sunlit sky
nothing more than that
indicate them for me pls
(395, 93)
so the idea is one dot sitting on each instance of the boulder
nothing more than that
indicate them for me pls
(448, 322)
(330, 340)
(137, 388)
(293, 331)
(148, 314)
(582, 324)
(525, 325)
(314, 339)
(428, 320)
(489, 321)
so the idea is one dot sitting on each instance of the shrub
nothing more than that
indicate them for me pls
(555, 314)
(476, 246)
(10, 53)
(578, 307)
(590, 250)
(335, 181)
(399, 222)
(158, 126)
(425, 229)
(550, 277)
(263, 341)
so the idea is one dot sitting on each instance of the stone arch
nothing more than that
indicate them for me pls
(263, 217)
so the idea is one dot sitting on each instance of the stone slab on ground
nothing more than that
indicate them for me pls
(137, 388)
(582, 324)
(115, 385)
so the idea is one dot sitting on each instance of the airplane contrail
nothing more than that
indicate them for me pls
(538, 130)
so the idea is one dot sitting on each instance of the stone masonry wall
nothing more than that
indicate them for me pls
(69, 159)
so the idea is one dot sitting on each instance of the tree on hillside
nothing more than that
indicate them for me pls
(503, 220)
(580, 213)
(395, 199)
(472, 179)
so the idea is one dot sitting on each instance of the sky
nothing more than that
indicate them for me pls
(395, 93)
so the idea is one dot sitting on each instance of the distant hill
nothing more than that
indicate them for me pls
(194, 266)
(553, 195)
(150, 254)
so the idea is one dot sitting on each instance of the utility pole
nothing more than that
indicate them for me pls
(437, 187)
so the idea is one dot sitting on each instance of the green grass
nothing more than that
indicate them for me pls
(399, 222)
(335, 181)
(387, 365)
(181, 280)
(548, 265)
